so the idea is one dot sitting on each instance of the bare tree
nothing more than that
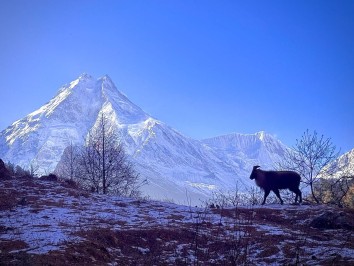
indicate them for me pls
(33, 168)
(69, 162)
(309, 157)
(103, 162)
(336, 190)
(338, 185)
(11, 167)
(19, 171)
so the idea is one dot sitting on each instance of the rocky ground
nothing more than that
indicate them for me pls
(53, 223)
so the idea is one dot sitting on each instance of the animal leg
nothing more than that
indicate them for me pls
(266, 193)
(297, 192)
(276, 191)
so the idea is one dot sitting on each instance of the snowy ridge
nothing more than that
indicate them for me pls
(246, 150)
(343, 166)
(175, 165)
(40, 136)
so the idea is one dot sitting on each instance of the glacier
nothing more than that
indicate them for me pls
(177, 167)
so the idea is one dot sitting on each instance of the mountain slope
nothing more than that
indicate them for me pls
(177, 167)
(40, 137)
(259, 148)
(343, 166)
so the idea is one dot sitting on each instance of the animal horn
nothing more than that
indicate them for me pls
(255, 167)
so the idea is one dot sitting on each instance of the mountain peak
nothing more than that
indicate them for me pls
(67, 117)
(85, 76)
(106, 78)
(107, 83)
(262, 135)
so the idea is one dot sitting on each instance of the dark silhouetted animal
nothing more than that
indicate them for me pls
(275, 180)
(50, 177)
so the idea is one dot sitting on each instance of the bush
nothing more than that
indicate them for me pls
(336, 191)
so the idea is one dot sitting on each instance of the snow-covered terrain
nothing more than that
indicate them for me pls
(52, 223)
(343, 166)
(177, 167)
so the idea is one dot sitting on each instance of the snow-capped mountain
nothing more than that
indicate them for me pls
(258, 148)
(39, 138)
(177, 167)
(343, 166)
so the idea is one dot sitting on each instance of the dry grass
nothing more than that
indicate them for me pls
(98, 230)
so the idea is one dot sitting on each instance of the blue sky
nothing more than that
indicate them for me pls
(206, 68)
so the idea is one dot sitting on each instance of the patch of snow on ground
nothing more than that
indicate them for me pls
(53, 216)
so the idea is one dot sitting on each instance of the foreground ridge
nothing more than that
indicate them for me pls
(54, 223)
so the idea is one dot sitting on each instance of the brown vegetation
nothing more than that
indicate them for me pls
(93, 229)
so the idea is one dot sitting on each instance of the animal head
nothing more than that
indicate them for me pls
(254, 172)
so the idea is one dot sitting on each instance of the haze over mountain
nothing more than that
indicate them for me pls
(177, 167)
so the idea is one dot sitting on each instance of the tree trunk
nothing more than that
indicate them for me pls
(313, 193)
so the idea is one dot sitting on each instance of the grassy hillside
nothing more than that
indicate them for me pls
(52, 223)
